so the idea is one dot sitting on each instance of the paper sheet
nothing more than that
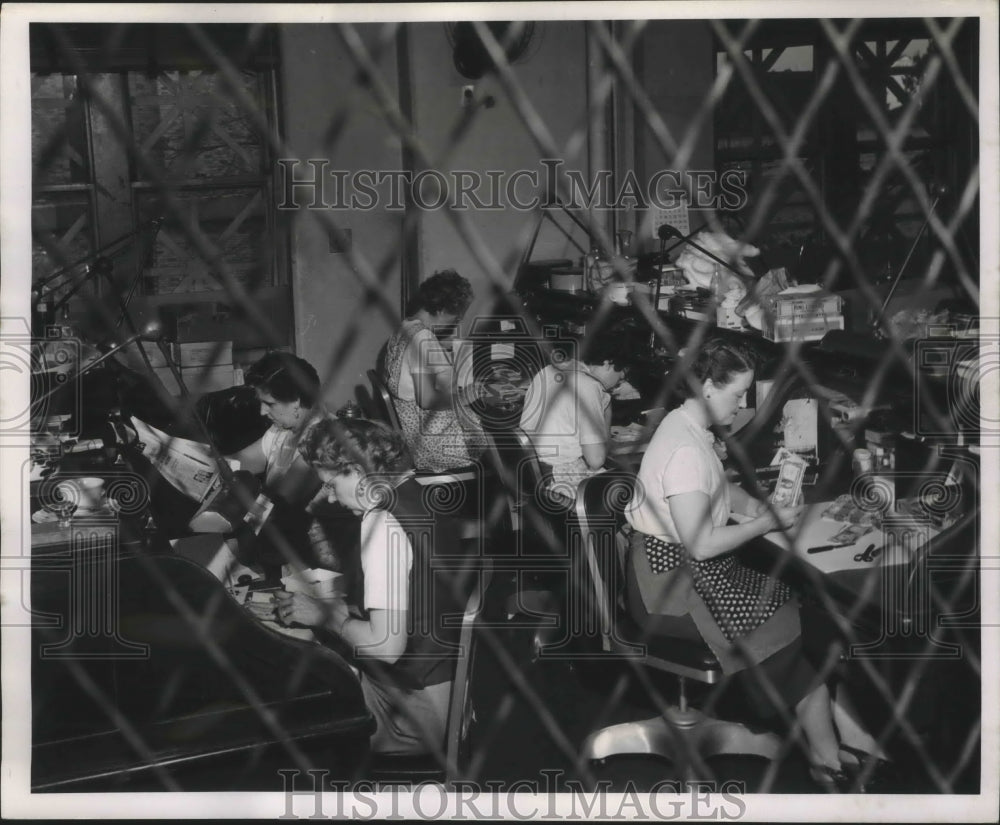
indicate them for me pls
(187, 465)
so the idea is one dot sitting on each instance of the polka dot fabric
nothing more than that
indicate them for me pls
(739, 599)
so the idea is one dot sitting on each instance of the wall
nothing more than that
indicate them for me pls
(335, 329)
(554, 84)
(678, 67)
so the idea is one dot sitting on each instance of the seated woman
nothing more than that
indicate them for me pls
(567, 411)
(683, 578)
(394, 628)
(287, 388)
(440, 433)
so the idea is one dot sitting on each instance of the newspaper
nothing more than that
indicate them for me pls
(188, 465)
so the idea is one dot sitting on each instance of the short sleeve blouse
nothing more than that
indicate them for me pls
(680, 459)
(424, 353)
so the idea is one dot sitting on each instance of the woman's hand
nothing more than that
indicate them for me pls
(771, 518)
(298, 608)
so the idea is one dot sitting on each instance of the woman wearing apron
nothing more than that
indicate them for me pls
(685, 580)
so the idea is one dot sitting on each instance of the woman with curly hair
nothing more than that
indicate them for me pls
(393, 623)
(440, 431)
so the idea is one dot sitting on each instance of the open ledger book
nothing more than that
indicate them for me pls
(190, 468)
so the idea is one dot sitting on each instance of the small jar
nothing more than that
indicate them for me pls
(861, 462)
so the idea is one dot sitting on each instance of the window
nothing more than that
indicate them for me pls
(842, 146)
(150, 160)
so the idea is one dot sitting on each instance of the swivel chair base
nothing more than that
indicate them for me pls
(682, 736)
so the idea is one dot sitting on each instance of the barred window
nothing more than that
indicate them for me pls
(200, 166)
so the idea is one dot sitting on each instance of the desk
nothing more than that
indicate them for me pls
(869, 592)
(898, 540)
(628, 444)
(899, 600)
(174, 682)
(146, 675)
(906, 625)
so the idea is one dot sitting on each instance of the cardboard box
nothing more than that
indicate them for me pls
(133, 359)
(820, 303)
(205, 353)
(800, 329)
(201, 379)
(166, 377)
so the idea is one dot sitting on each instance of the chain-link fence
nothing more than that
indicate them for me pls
(192, 210)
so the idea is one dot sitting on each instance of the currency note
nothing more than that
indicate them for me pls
(789, 484)
(851, 534)
(845, 509)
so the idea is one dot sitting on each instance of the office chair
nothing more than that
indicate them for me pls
(468, 477)
(387, 414)
(532, 511)
(386, 408)
(232, 418)
(417, 768)
(538, 528)
(679, 732)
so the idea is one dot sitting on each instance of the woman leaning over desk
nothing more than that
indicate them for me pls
(684, 579)
(405, 653)
(288, 389)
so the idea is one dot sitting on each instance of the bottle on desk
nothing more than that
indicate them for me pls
(861, 462)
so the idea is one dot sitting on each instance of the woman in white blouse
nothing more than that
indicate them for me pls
(684, 579)
(393, 622)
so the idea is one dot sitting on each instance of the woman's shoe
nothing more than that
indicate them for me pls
(864, 758)
(834, 780)
(877, 772)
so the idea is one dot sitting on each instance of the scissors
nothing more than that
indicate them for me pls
(870, 553)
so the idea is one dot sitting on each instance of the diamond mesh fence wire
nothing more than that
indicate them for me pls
(164, 160)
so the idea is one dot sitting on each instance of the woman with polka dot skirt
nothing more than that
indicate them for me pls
(684, 578)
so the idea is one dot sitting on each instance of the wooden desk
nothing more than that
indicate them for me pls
(897, 542)
(891, 596)
(164, 682)
(905, 625)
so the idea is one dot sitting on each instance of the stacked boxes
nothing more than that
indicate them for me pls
(206, 366)
(802, 316)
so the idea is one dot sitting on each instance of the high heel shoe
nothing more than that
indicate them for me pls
(878, 772)
(834, 780)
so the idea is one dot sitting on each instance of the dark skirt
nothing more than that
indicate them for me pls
(772, 683)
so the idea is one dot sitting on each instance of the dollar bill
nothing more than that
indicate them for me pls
(789, 484)
(851, 534)
(846, 509)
